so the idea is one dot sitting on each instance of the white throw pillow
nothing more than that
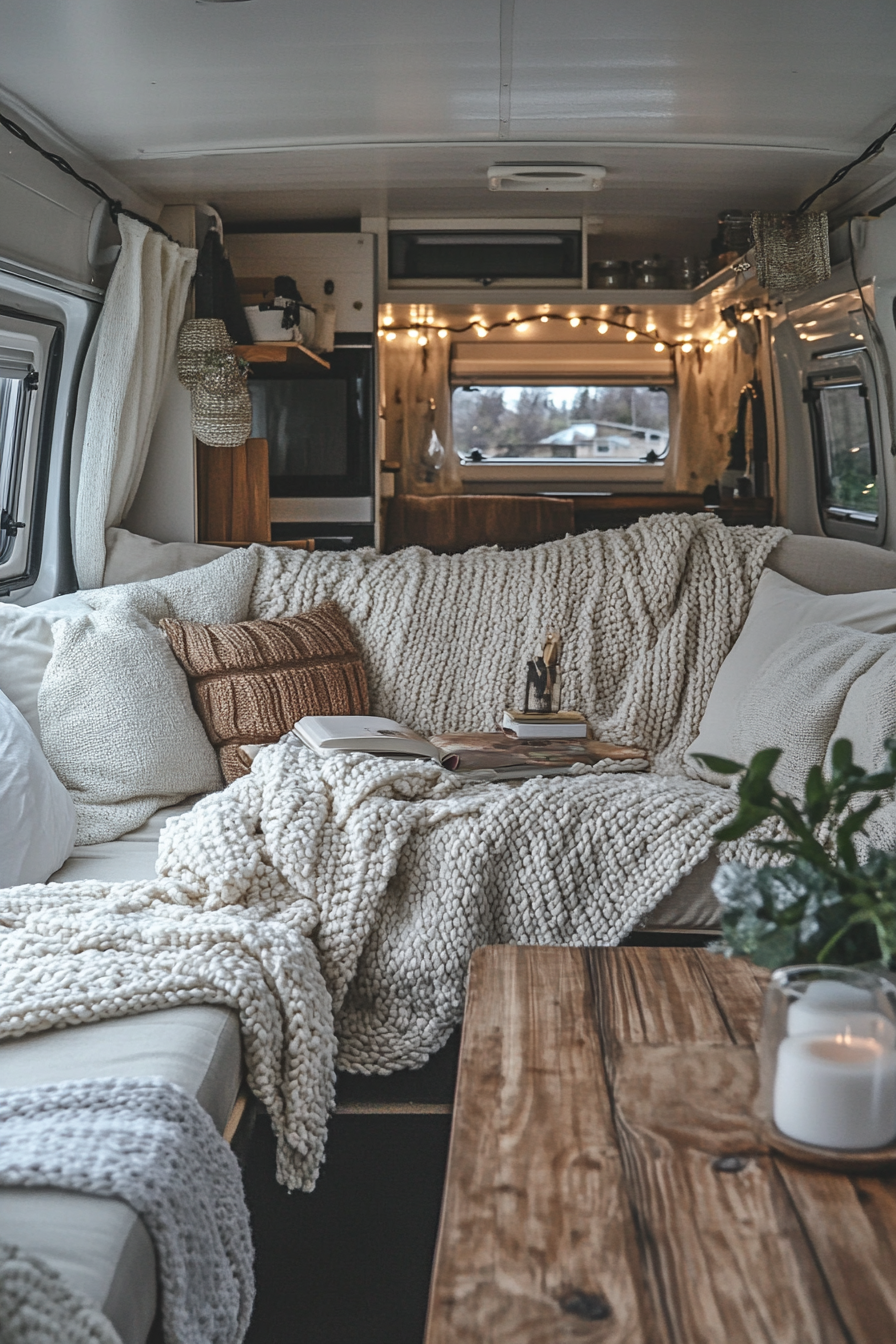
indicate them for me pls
(131, 558)
(37, 816)
(799, 694)
(779, 610)
(118, 725)
(219, 593)
(26, 646)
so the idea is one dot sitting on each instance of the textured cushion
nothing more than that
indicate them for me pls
(117, 723)
(130, 558)
(779, 609)
(37, 819)
(796, 698)
(100, 1246)
(253, 680)
(26, 646)
(830, 565)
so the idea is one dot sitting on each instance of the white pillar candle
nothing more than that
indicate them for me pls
(831, 1007)
(836, 1091)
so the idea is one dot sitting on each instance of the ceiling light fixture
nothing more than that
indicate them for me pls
(545, 177)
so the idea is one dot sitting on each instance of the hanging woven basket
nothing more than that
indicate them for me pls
(791, 251)
(199, 337)
(222, 409)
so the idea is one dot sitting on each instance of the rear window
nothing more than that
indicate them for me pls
(594, 424)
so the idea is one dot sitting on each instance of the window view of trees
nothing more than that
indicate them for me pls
(851, 481)
(599, 423)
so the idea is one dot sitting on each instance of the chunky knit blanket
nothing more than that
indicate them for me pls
(143, 1141)
(358, 886)
(647, 615)
(37, 1306)
(84, 951)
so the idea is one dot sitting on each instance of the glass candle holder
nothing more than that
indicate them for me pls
(827, 1052)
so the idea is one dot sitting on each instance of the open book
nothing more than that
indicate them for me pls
(496, 754)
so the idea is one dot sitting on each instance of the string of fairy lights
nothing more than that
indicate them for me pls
(423, 331)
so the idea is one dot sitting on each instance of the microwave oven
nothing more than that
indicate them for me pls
(320, 427)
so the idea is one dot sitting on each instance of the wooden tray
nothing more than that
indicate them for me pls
(832, 1159)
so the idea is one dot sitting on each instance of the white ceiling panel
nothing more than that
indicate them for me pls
(284, 109)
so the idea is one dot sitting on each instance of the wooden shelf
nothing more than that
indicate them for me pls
(278, 352)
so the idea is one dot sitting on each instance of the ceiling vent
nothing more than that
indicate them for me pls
(545, 177)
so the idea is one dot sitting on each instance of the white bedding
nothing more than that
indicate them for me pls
(131, 858)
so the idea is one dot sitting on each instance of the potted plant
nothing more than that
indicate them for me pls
(822, 905)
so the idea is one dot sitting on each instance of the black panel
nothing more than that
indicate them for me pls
(485, 257)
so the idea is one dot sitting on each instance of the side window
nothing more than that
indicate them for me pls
(18, 385)
(850, 485)
(29, 352)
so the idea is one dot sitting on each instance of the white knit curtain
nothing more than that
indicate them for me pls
(136, 343)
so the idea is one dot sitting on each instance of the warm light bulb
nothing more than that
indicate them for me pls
(442, 334)
(544, 317)
(422, 340)
(575, 321)
(390, 335)
(731, 333)
(708, 346)
(803, 336)
(686, 348)
(651, 326)
(387, 321)
(522, 326)
(413, 333)
(659, 347)
(602, 328)
(381, 332)
(482, 331)
(631, 335)
(723, 340)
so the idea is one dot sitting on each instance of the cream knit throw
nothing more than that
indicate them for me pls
(144, 1141)
(647, 616)
(84, 951)
(396, 872)
(410, 870)
(37, 1306)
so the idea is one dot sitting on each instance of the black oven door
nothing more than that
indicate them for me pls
(319, 424)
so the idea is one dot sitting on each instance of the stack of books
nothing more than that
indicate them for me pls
(535, 727)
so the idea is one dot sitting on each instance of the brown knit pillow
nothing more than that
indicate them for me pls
(251, 681)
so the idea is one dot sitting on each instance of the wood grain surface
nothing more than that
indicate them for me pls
(608, 1181)
(233, 490)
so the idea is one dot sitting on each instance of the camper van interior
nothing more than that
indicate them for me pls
(447, 672)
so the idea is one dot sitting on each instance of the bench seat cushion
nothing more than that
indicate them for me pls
(100, 1246)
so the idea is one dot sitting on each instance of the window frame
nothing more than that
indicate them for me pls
(854, 369)
(37, 341)
(568, 466)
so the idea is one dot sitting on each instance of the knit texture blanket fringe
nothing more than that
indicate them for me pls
(37, 1306)
(359, 886)
(144, 1141)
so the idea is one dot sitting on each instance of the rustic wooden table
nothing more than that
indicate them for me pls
(608, 1182)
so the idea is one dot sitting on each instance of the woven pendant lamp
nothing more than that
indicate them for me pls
(222, 409)
(199, 337)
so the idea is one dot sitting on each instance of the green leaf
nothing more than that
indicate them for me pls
(817, 795)
(719, 764)
(841, 755)
(764, 762)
